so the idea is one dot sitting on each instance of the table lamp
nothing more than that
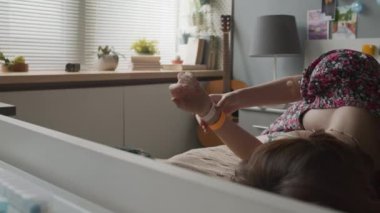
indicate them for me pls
(275, 36)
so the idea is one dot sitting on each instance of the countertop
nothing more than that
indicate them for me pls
(32, 80)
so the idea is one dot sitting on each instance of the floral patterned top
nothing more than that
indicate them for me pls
(335, 79)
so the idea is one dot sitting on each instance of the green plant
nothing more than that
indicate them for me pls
(203, 2)
(16, 60)
(107, 50)
(2, 58)
(144, 46)
(199, 3)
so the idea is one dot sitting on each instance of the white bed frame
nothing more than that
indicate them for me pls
(124, 182)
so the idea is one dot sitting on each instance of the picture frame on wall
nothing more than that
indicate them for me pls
(317, 25)
(329, 8)
(345, 25)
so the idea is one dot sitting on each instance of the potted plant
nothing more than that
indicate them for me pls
(201, 10)
(108, 58)
(204, 2)
(145, 47)
(146, 58)
(16, 65)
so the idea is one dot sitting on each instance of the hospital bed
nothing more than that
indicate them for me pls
(77, 175)
(96, 178)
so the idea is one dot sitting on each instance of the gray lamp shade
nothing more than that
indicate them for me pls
(275, 35)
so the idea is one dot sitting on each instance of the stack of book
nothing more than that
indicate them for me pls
(199, 51)
(194, 51)
(146, 63)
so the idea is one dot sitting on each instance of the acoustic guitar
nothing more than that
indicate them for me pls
(209, 138)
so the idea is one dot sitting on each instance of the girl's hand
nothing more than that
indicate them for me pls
(227, 102)
(188, 95)
(201, 123)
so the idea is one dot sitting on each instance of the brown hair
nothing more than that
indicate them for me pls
(320, 169)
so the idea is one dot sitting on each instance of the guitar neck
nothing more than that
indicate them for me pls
(227, 75)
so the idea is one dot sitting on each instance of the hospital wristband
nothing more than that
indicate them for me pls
(210, 115)
(219, 123)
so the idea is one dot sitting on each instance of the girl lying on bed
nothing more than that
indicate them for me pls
(324, 149)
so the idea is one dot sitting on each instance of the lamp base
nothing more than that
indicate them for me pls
(275, 67)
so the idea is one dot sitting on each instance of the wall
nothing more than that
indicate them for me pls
(258, 70)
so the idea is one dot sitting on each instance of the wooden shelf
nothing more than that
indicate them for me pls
(13, 81)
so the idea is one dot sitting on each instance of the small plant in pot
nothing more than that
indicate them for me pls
(108, 58)
(146, 58)
(16, 65)
(145, 47)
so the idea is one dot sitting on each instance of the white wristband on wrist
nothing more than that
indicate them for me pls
(210, 115)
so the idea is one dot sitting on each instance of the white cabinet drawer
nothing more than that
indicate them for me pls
(256, 119)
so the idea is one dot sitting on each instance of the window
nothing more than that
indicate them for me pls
(43, 31)
(52, 33)
(121, 22)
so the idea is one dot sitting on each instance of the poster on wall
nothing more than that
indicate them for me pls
(329, 8)
(344, 26)
(317, 25)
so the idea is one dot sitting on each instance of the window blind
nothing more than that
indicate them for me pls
(118, 23)
(52, 33)
(43, 31)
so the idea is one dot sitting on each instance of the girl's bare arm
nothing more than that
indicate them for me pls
(280, 91)
(284, 90)
(189, 96)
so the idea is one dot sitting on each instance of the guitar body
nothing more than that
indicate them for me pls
(209, 138)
